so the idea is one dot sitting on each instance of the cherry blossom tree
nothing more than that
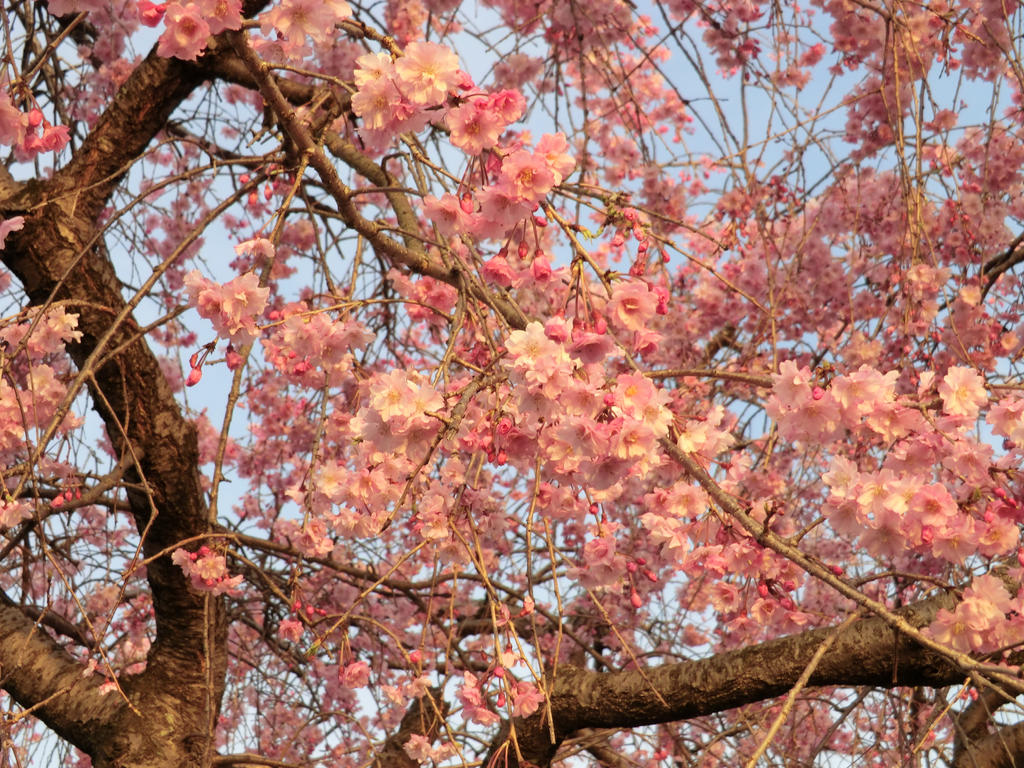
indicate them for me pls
(511, 383)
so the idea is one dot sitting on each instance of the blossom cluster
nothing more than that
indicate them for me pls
(393, 96)
(206, 570)
(231, 307)
(987, 619)
(30, 133)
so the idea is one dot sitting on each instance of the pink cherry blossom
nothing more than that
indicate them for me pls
(526, 177)
(426, 72)
(295, 20)
(475, 126)
(13, 224)
(963, 392)
(632, 305)
(12, 127)
(231, 307)
(221, 14)
(186, 31)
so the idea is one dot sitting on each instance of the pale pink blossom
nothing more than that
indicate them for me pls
(474, 708)
(527, 699)
(12, 125)
(375, 102)
(707, 436)
(637, 397)
(863, 391)
(670, 533)
(13, 512)
(258, 247)
(399, 394)
(842, 478)
(446, 214)
(427, 71)
(1007, 418)
(555, 150)
(632, 305)
(221, 14)
(297, 19)
(526, 176)
(474, 126)
(355, 675)
(543, 364)
(290, 629)
(232, 307)
(956, 539)
(418, 748)
(963, 392)
(803, 413)
(206, 570)
(373, 66)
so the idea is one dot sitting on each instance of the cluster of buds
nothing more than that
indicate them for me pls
(196, 364)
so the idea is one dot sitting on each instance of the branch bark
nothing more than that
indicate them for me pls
(59, 256)
(867, 653)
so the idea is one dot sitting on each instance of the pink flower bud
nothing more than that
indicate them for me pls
(193, 377)
(541, 269)
(150, 14)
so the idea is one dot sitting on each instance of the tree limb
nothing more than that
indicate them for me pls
(869, 652)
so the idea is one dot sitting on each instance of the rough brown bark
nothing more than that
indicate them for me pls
(59, 255)
(868, 653)
(1002, 749)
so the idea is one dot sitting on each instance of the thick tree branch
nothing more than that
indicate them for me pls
(37, 672)
(867, 653)
(57, 256)
(1002, 749)
(424, 717)
(975, 745)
